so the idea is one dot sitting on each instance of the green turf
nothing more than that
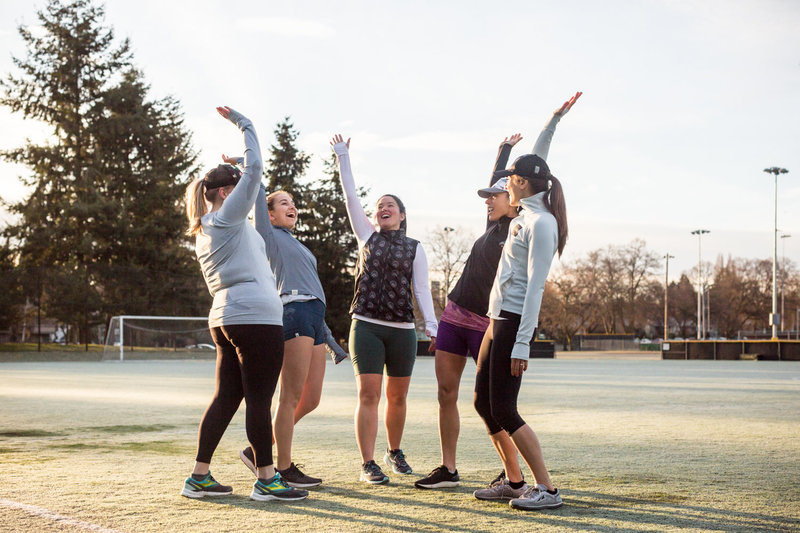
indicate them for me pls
(635, 445)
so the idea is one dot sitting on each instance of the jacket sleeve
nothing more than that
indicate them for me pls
(239, 203)
(542, 146)
(262, 222)
(337, 352)
(542, 244)
(422, 290)
(362, 227)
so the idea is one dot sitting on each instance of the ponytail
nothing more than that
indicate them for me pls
(554, 201)
(195, 205)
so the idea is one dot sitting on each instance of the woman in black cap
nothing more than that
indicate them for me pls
(534, 237)
(464, 321)
(382, 334)
(245, 318)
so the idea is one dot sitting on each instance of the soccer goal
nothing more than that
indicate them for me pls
(150, 337)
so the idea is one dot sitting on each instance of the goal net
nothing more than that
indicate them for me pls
(157, 337)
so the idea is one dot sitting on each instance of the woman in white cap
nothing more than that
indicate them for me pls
(464, 321)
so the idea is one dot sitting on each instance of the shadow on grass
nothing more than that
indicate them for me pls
(582, 511)
(131, 429)
(30, 433)
(161, 447)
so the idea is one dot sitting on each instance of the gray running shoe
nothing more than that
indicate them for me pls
(397, 460)
(500, 492)
(536, 498)
(372, 473)
(294, 477)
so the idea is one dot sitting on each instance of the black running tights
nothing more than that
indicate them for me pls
(496, 390)
(249, 359)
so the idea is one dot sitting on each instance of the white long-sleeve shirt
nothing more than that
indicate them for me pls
(363, 230)
(521, 274)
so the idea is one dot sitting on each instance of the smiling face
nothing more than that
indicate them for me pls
(282, 211)
(388, 213)
(498, 205)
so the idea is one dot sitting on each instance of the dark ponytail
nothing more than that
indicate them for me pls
(554, 202)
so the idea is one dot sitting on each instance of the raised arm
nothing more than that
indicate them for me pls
(362, 227)
(422, 292)
(542, 146)
(239, 203)
(502, 155)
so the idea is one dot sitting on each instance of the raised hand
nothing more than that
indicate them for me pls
(224, 111)
(229, 160)
(567, 105)
(514, 139)
(338, 139)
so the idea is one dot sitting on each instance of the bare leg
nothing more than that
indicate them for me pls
(312, 390)
(396, 392)
(449, 368)
(366, 416)
(528, 445)
(508, 454)
(296, 363)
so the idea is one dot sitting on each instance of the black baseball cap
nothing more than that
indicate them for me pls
(222, 176)
(526, 166)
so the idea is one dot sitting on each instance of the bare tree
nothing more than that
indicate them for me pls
(449, 249)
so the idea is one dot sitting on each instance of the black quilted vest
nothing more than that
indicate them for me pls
(383, 277)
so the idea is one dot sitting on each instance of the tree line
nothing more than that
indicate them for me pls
(101, 232)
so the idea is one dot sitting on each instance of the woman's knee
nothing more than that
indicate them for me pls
(506, 416)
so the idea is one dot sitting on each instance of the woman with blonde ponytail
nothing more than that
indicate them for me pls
(245, 319)
(534, 237)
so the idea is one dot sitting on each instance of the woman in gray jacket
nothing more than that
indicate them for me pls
(533, 239)
(245, 318)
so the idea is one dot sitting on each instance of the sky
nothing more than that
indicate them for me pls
(685, 103)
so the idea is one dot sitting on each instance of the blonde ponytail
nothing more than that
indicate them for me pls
(195, 205)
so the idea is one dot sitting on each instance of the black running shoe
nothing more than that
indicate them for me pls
(372, 473)
(501, 478)
(397, 460)
(294, 477)
(440, 478)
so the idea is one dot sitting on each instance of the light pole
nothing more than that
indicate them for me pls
(772, 317)
(666, 297)
(784, 236)
(699, 233)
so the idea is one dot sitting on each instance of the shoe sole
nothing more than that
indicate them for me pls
(440, 485)
(396, 471)
(374, 482)
(197, 494)
(302, 485)
(248, 463)
(273, 498)
(503, 499)
(537, 508)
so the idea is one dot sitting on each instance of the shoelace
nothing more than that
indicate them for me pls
(532, 492)
(373, 468)
(400, 458)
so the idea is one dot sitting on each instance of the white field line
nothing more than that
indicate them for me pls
(55, 517)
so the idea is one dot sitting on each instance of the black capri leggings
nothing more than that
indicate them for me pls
(496, 390)
(249, 360)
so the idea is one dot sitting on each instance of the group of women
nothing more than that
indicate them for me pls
(267, 320)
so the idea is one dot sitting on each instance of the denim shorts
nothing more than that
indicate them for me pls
(304, 319)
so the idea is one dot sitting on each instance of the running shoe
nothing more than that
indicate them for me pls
(501, 478)
(294, 477)
(397, 460)
(208, 486)
(439, 478)
(276, 489)
(502, 491)
(536, 498)
(249, 459)
(372, 473)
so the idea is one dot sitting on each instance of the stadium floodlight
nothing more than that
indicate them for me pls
(773, 316)
(156, 333)
(700, 328)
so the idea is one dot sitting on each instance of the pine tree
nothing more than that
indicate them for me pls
(286, 164)
(102, 216)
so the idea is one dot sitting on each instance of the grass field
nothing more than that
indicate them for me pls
(635, 445)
